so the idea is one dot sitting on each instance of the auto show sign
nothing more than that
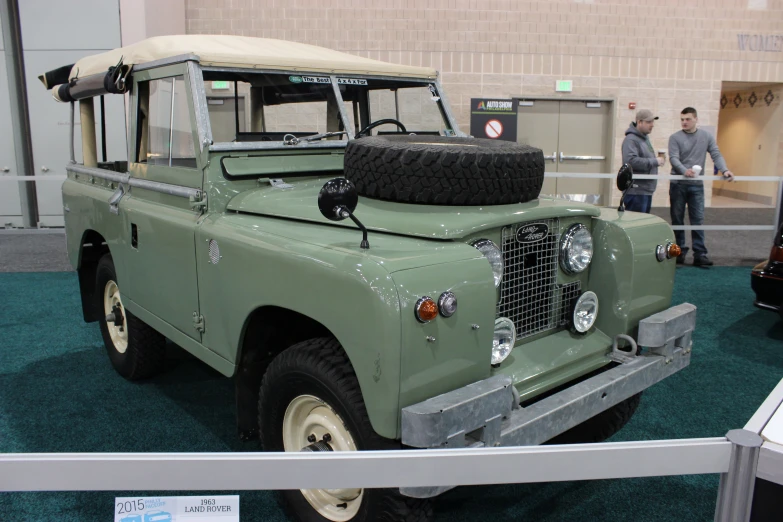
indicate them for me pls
(224, 508)
(493, 118)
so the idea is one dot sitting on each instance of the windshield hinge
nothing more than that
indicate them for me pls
(198, 322)
(198, 202)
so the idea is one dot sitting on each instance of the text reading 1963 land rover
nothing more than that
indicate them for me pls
(368, 275)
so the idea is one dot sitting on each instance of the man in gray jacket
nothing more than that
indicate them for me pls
(688, 149)
(638, 152)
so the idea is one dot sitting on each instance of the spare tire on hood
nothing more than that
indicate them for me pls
(436, 170)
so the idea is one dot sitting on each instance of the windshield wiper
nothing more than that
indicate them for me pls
(290, 139)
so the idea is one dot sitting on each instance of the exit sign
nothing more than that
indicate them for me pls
(219, 85)
(564, 85)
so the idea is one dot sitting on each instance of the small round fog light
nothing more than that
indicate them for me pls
(585, 312)
(503, 342)
(447, 304)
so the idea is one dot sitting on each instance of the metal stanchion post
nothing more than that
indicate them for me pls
(735, 494)
(779, 207)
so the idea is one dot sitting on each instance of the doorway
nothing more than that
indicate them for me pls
(749, 138)
(575, 136)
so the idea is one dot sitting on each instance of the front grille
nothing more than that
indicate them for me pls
(529, 293)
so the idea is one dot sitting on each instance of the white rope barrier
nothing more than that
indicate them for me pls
(366, 469)
(33, 178)
(723, 227)
(590, 175)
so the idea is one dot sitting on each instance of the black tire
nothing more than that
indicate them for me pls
(436, 170)
(319, 367)
(145, 353)
(603, 425)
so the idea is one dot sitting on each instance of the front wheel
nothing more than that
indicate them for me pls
(310, 400)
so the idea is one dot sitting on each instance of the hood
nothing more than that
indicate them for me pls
(300, 202)
(633, 130)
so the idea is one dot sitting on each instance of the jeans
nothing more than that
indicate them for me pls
(638, 203)
(693, 196)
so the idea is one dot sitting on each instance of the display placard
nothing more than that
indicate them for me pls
(224, 508)
(493, 118)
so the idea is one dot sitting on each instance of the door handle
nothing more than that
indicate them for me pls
(596, 158)
(44, 169)
(553, 157)
(6, 169)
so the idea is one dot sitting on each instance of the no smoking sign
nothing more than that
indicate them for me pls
(493, 118)
(493, 129)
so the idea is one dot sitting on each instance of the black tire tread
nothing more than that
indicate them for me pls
(434, 170)
(325, 359)
(146, 352)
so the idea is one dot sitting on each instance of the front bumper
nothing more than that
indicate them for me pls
(487, 413)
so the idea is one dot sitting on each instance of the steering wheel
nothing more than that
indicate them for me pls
(378, 124)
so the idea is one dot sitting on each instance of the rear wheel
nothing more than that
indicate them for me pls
(135, 350)
(310, 400)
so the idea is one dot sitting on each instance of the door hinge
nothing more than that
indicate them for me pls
(198, 322)
(198, 202)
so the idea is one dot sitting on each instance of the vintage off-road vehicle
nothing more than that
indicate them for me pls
(316, 226)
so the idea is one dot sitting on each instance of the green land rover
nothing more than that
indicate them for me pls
(315, 226)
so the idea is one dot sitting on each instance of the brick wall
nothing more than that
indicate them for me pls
(662, 54)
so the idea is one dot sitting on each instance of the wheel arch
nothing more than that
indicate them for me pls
(92, 247)
(268, 331)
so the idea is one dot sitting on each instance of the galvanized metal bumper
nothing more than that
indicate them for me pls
(486, 413)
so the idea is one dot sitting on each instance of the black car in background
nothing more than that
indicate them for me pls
(766, 278)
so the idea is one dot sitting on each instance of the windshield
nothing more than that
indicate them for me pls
(287, 109)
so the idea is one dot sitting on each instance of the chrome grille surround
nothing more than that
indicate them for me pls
(529, 293)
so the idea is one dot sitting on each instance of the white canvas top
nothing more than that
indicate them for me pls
(245, 52)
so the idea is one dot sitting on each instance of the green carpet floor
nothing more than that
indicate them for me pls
(58, 393)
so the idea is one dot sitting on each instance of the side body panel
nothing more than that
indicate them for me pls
(87, 201)
(341, 288)
(629, 281)
(447, 352)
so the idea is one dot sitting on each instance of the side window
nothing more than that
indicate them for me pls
(164, 133)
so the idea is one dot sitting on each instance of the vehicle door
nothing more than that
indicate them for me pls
(159, 221)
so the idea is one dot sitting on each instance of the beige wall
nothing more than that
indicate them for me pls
(140, 19)
(749, 139)
(662, 54)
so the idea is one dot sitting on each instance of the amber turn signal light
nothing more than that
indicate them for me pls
(674, 250)
(426, 309)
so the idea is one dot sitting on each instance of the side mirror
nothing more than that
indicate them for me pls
(337, 200)
(624, 182)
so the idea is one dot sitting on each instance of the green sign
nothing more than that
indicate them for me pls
(564, 85)
(219, 85)
(295, 79)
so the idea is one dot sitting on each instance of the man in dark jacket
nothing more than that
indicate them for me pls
(638, 152)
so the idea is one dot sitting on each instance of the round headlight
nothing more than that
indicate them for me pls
(493, 255)
(447, 304)
(503, 342)
(585, 312)
(576, 249)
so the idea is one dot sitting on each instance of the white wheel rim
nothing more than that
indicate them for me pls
(118, 334)
(308, 415)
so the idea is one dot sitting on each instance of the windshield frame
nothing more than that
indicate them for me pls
(205, 130)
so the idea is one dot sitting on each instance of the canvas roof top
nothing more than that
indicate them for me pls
(246, 52)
